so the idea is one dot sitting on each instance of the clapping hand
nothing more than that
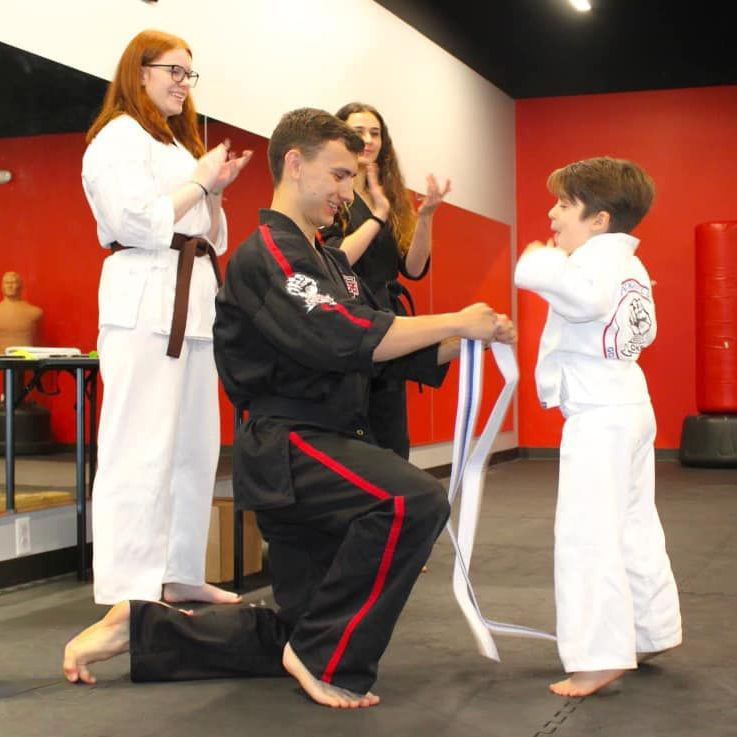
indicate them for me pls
(434, 196)
(231, 166)
(536, 246)
(380, 204)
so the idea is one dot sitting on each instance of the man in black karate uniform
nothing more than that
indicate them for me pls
(349, 524)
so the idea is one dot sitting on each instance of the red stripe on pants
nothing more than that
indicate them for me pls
(386, 558)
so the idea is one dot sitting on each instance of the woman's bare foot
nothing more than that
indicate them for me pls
(100, 641)
(585, 683)
(174, 593)
(321, 692)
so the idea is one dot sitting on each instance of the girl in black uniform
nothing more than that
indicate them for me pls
(383, 237)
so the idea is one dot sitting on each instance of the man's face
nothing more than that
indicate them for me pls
(325, 182)
(11, 284)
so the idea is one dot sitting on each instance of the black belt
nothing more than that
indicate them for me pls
(396, 291)
(303, 411)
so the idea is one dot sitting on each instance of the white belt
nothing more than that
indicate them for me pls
(468, 474)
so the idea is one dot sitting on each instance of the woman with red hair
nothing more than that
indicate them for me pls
(156, 196)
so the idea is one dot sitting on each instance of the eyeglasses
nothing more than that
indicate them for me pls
(178, 73)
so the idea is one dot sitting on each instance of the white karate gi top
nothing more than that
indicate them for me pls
(601, 316)
(127, 177)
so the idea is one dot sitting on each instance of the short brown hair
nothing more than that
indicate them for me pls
(125, 94)
(617, 186)
(307, 130)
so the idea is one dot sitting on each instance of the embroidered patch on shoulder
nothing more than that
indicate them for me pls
(305, 287)
(351, 284)
(629, 330)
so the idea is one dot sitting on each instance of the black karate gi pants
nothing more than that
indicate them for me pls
(388, 415)
(343, 558)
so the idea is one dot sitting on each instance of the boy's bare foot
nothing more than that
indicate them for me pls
(100, 641)
(585, 683)
(321, 692)
(175, 593)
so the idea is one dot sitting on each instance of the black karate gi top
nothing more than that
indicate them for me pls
(294, 335)
(381, 263)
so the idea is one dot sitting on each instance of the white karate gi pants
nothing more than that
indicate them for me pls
(614, 587)
(159, 440)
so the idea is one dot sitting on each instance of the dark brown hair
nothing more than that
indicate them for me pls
(617, 186)
(307, 129)
(402, 218)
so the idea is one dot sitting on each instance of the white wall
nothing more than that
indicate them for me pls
(260, 58)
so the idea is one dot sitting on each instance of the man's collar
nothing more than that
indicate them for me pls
(279, 220)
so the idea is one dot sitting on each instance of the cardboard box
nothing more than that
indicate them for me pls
(219, 559)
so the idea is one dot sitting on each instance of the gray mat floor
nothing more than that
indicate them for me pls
(432, 682)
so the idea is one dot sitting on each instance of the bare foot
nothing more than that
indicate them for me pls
(321, 692)
(585, 683)
(424, 569)
(178, 592)
(100, 641)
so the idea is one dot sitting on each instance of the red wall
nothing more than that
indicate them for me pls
(49, 238)
(687, 141)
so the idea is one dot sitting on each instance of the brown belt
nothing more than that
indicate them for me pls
(189, 246)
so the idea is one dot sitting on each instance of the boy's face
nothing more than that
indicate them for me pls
(325, 182)
(571, 229)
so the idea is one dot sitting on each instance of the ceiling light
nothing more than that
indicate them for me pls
(581, 5)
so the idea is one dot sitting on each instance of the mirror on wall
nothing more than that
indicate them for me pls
(46, 109)
(49, 240)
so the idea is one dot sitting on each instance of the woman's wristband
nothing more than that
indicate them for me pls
(201, 186)
(381, 222)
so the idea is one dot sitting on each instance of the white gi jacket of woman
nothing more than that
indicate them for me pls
(601, 316)
(127, 176)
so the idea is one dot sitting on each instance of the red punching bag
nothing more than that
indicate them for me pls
(716, 317)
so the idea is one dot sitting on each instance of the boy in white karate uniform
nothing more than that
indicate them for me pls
(616, 597)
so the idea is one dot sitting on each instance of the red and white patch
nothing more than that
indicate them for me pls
(351, 284)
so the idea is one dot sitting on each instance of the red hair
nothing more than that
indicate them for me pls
(126, 95)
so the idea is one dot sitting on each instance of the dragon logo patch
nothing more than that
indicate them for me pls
(305, 287)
